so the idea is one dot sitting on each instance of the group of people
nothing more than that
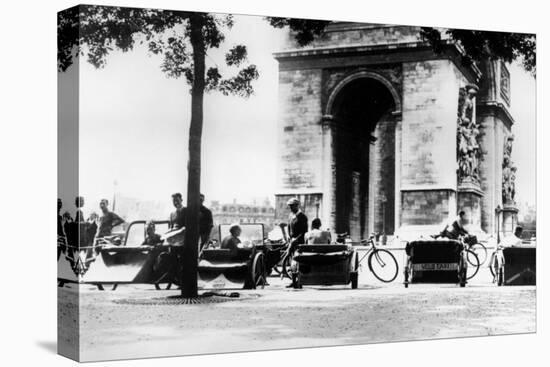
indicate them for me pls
(178, 218)
(98, 226)
(102, 226)
(297, 228)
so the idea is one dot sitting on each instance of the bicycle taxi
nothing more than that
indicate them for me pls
(514, 263)
(338, 263)
(439, 260)
(243, 269)
(118, 259)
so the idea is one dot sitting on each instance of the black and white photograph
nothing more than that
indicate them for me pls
(250, 181)
(266, 177)
(270, 175)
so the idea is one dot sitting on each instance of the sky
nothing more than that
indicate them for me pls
(134, 126)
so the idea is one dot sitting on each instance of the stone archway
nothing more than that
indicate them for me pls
(363, 109)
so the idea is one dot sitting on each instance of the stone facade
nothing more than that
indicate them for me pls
(393, 169)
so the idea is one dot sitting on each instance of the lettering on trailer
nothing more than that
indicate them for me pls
(436, 267)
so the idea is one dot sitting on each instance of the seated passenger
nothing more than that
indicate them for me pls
(513, 240)
(232, 241)
(456, 229)
(151, 239)
(317, 236)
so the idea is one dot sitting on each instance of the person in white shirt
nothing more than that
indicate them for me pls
(316, 235)
(513, 240)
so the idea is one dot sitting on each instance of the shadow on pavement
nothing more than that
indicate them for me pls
(49, 346)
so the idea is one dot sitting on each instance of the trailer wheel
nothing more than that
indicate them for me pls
(296, 283)
(354, 280)
(159, 288)
(258, 271)
(102, 288)
(500, 281)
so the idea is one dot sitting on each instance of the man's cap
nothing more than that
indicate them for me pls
(293, 201)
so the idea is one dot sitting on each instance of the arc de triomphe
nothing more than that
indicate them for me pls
(379, 133)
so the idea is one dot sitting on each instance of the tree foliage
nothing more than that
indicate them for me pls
(482, 45)
(94, 32)
(305, 30)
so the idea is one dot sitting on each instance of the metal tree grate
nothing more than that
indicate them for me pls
(179, 300)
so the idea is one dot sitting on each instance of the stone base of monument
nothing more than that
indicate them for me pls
(469, 200)
(509, 218)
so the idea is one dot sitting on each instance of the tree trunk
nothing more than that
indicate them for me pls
(189, 258)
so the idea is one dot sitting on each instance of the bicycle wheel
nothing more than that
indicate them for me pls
(286, 270)
(481, 251)
(493, 264)
(473, 264)
(383, 265)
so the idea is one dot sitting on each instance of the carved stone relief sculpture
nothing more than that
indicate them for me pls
(468, 150)
(508, 172)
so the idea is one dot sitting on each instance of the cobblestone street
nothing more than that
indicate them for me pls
(277, 317)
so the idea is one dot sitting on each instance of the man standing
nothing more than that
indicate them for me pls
(297, 223)
(205, 223)
(108, 220)
(177, 218)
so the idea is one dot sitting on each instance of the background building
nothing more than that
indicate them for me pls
(227, 213)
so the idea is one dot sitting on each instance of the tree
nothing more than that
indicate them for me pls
(182, 39)
(485, 45)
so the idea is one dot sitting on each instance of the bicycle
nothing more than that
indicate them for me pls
(496, 266)
(381, 262)
(480, 250)
(472, 258)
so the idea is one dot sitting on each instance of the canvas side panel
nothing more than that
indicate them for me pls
(67, 185)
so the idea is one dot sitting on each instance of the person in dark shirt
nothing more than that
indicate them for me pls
(177, 218)
(297, 229)
(108, 220)
(231, 241)
(297, 223)
(205, 223)
(60, 230)
(151, 239)
(456, 228)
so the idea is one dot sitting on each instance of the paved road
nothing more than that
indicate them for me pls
(277, 317)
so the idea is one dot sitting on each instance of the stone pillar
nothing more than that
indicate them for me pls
(328, 205)
(427, 157)
(495, 121)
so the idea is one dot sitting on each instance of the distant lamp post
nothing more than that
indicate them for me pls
(317, 205)
(383, 199)
(115, 184)
(498, 210)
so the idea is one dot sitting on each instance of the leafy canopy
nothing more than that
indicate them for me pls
(94, 31)
(482, 45)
